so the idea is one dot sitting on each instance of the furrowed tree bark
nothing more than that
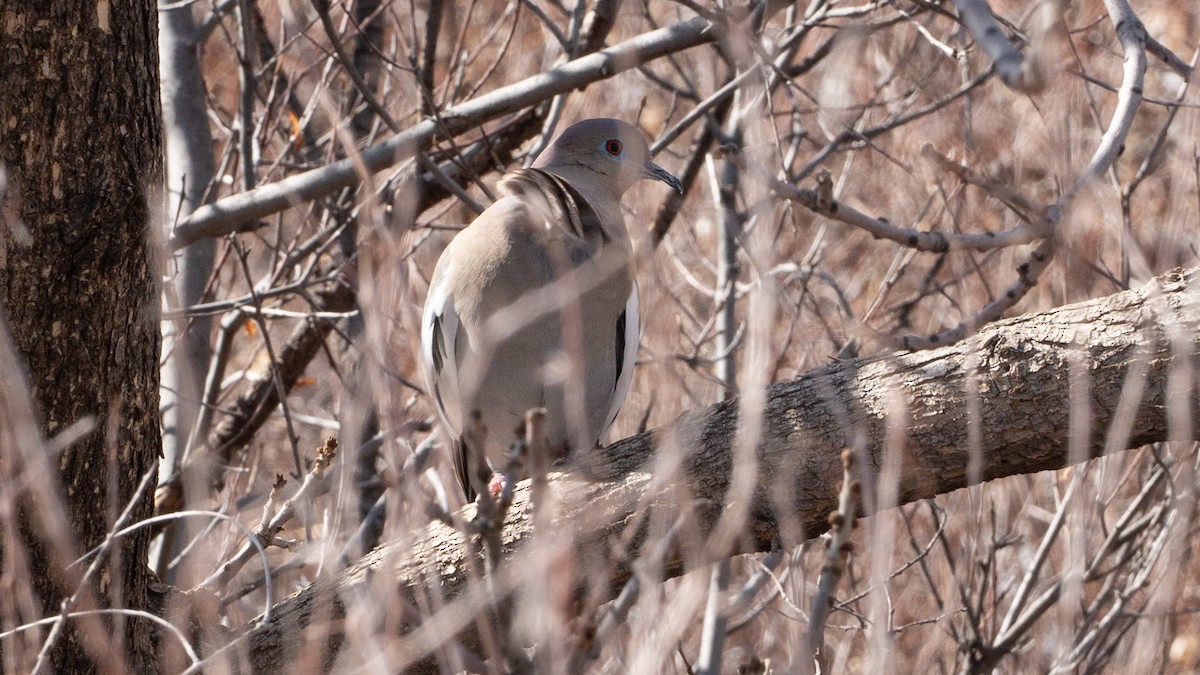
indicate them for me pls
(1020, 370)
(81, 147)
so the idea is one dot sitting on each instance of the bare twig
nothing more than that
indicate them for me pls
(837, 549)
(234, 212)
(273, 522)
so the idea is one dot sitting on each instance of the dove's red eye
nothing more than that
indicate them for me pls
(613, 147)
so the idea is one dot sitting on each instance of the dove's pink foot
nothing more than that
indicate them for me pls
(496, 484)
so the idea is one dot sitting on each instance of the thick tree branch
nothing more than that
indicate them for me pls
(1018, 369)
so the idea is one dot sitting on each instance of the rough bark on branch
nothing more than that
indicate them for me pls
(1019, 369)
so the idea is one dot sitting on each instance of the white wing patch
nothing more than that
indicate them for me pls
(439, 335)
(627, 356)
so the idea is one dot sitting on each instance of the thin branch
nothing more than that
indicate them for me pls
(837, 550)
(237, 212)
(273, 520)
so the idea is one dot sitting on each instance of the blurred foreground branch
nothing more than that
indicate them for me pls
(1018, 369)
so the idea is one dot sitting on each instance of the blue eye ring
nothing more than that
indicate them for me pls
(613, 147)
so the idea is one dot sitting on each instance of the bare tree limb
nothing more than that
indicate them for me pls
(232, 213)
(258, 403)
(1023, 390)
(1015, 69)
(1132, 35)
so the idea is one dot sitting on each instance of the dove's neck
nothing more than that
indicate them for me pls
(601, 194)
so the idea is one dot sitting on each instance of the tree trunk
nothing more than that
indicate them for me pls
(904, 413)
(82, 145)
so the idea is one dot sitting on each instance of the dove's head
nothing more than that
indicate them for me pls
(610, 153)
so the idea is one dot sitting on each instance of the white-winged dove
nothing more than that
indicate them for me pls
(534, 304)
